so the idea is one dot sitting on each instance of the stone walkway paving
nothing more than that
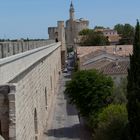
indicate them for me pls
(65, 123)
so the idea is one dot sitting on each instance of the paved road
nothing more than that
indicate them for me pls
(65, 123)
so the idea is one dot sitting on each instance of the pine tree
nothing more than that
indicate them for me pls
(133, 88)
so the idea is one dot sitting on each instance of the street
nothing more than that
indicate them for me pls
(65, 123)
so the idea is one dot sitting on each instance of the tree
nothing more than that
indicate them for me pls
(92, 38)
(99, 27)
(133, 88)
(112, 123)
(126, 32)
(119, 28)
(89, 91)
(85, 32)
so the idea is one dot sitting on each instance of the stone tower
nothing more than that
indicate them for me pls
(58, 34)
(70, 32)
(61, 38)
(71, 11)
(73, 27)
(61, 33)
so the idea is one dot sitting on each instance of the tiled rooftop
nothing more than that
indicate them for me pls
(97, 65)
(108, 67)
(121, 50)
(118, 65)
(115, 68)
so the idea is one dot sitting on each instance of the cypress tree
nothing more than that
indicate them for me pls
(133, 88)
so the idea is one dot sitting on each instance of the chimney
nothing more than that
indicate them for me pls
(117, 63)
(115, 49)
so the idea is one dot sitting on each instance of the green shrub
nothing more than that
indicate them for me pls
(120, 91)
(112, 123)
(90, 91)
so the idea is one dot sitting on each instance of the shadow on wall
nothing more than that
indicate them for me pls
(4, 111)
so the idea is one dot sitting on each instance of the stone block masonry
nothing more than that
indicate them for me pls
(32, 78)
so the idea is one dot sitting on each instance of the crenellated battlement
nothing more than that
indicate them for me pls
(11, 48)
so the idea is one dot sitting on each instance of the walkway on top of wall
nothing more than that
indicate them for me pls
(12, 66)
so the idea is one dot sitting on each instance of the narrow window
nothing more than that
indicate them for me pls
(51, 82)
(35, 122)
(46, 97)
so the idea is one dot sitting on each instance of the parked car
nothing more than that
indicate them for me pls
(70, 68)
(65, 70)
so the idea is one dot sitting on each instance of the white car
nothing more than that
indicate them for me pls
(65, 70)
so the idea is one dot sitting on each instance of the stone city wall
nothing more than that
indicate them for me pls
(33, 78)
(11, 48)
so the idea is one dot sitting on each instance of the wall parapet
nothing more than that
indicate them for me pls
(11, 48)
(12, 66)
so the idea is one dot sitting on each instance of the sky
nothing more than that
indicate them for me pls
(31, 18)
